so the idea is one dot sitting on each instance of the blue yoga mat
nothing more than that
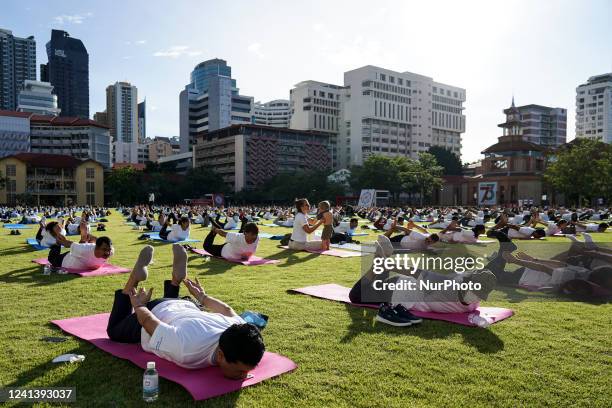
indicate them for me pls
(34, 244)
(18, 226)
(265, 235)
(156, 237)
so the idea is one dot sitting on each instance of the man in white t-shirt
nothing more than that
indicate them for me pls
(238, 246)
(179, 330)
(413, 237)
(591, 227)
(516, 231)
(177, 232)
(46, 233)
(85, 256)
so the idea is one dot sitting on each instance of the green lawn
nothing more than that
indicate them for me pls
(553, 352)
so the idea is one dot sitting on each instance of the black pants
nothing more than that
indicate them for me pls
(397, 238)
(123, 325)
(163, 234)
(39, 236)
(218, 223)
(55, 257)
(214, 250)
(363, 290)
(338, 237)
(498, 264)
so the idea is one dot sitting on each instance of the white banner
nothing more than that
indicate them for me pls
(487, 193)
(367, 198)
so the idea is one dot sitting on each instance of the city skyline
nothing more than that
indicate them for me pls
(537, 52)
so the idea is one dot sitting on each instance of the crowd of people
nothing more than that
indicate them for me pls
(201, 331)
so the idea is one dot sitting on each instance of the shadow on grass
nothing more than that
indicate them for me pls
(213, 266)
(102, 380)
(515, 294)
(19, 250)
(483, 340)
(33, 274)
(292, 257)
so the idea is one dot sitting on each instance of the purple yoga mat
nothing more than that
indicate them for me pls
(106, 269)
(340, 293)
(333, 252)
(252, 261)
(202, 384)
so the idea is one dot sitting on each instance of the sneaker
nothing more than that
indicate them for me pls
(17, 232)
(388, 315)
(406, 314)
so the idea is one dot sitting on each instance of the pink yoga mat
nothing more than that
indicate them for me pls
(340, 293)
(333, 252)
(202, 384)
(252, 261)
(107, 269)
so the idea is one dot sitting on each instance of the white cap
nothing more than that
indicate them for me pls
(151, 364)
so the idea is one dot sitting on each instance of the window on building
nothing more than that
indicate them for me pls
(383, 77)
(11, 170)
(90, 187)
(90, 172)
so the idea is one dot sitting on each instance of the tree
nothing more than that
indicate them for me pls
(582, 169)
(125, 186)
(421, 176)
(379, 172)
(447, 159)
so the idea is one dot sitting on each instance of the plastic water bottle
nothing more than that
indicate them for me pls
(47, 269)
(479, 321)
(150, 383)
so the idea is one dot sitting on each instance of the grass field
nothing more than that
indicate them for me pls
(553, 352)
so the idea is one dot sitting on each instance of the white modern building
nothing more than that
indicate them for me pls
(37, 97)
(316, 106)
(594, 108)
(122, 117)
(276, 113)
(211, 101)
(397, 114)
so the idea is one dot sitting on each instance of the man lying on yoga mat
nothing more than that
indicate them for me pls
(418, 240)
(177, 232)
(395, 305)
(456, 235)
(178, 330)
(573, 272)
(46, 232)
(238, 245)
(85, 256)
(516, 231)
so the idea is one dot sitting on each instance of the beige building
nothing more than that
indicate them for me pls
(52, 179)
(159, 147)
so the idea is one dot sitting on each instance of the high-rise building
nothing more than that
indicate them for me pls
(397, 114)
(594, 108)
(211, 101)
(122, 117)
(276, 113)
(142, 121)
(68, 72)
(542, 125)
(38, 97)
(17, 64)
(316, 106)
(101, 117)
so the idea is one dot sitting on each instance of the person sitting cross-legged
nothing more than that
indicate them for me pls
(177, 329)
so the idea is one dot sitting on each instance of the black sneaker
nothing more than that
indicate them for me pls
(388, 315)
(406, 314)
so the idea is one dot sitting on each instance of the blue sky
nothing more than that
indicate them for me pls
(537, 50)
